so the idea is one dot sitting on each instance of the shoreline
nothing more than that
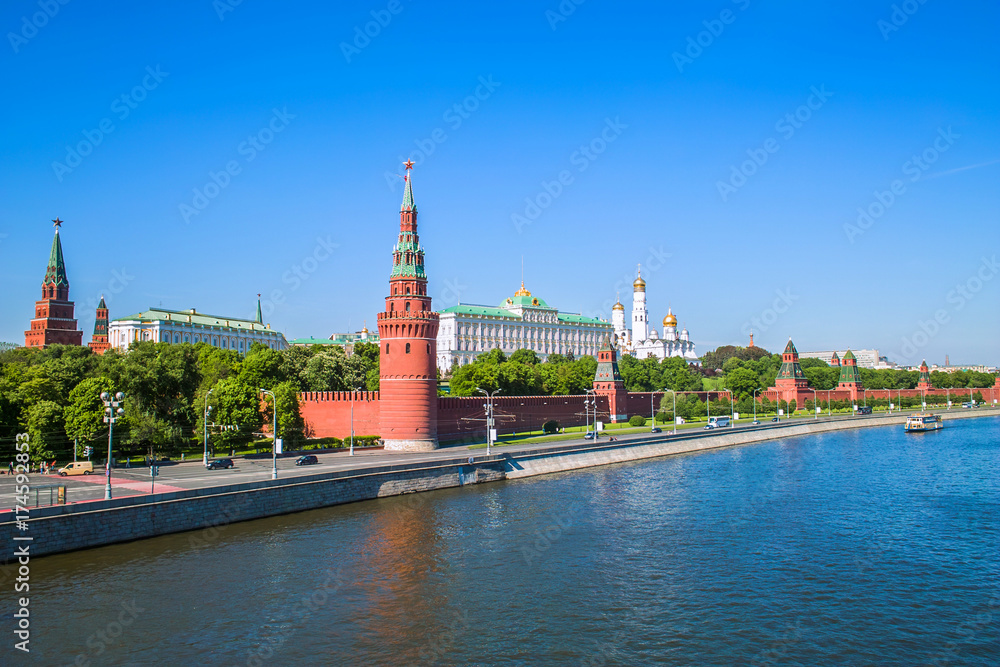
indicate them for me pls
(64, 528)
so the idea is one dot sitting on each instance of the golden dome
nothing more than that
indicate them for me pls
(639, 285)
(670, 320)
(618, 306)
(522, 291)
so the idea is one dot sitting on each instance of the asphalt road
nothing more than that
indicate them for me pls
(177, 476)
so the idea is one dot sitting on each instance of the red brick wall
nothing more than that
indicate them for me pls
(328, 413)
(464, 417)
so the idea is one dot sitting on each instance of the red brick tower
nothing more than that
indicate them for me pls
(99, 341)
(54, 322)
(408, 332)
(850, 378)
(791, 383)
(924, 382)
(608, 381)
(835, 361)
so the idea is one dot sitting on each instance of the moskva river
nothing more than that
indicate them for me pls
(868, 547)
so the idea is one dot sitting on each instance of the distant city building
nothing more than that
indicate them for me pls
(951, 369)
(54, 322)
(865, 358)
(344, 340)
(189, 326)
(521, 322)
(642, 340)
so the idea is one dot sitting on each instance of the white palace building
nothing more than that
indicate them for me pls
(189, 326)
(642, 340)
(521, 322)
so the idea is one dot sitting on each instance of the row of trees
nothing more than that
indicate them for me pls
(525, 374)
(53, 394)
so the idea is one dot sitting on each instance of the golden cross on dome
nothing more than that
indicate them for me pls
(408, 164)
(57, 223)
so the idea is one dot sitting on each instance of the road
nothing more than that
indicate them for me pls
(176, 476)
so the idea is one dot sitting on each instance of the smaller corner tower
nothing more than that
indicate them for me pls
(924, 382)
(608, 381)
(99, 341)
(850, 378)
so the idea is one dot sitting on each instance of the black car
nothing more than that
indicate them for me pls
(219, 464)
(656, 429)
(775, 419)
(307, 460)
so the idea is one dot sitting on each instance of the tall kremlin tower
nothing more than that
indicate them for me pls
(54, 322)
(408, 338)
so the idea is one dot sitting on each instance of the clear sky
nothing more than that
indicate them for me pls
(727, 146)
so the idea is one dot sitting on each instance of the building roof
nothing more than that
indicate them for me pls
(408, 203)
(193, 317)
(55, 273)
(488, 311)
(312, 341)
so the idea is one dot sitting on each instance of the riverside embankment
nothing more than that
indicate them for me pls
(207, 511)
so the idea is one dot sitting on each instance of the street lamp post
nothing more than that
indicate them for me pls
(829, 410)
(755, 403)
(489, 416)
(675, 411)
(815, 404)
(112, 411)
(274, 444)
(208, 411)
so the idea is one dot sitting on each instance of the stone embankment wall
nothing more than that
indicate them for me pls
(70, 527)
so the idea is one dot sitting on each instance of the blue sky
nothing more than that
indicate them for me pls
(727, 146)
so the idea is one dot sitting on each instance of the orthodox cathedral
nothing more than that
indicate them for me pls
(642, 340)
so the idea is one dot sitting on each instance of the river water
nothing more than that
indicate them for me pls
(853, 548)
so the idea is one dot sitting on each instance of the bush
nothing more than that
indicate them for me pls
(551, 426)
(637, 420)
(664, 417)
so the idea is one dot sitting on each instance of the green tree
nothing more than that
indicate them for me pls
(84, 416)
(742, 382)
(45, 431)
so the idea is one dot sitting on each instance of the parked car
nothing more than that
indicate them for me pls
(76, 468)
(589, 435)
(656, 429)
(755, 422)
(307, 460)
(219, 464)
(774, 419)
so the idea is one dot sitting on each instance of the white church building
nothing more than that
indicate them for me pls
(643, 340)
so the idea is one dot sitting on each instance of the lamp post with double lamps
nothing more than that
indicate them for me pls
(815, 405)
(112, 411)
(274, 445)
(352, 418)
(489, 416)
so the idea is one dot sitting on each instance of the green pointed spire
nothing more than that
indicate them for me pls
(607, 370)
(55, 274)
(102, 304)
(101, 321)
(849, 373)
(260, 316)
(408, 204)
(790, 369)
